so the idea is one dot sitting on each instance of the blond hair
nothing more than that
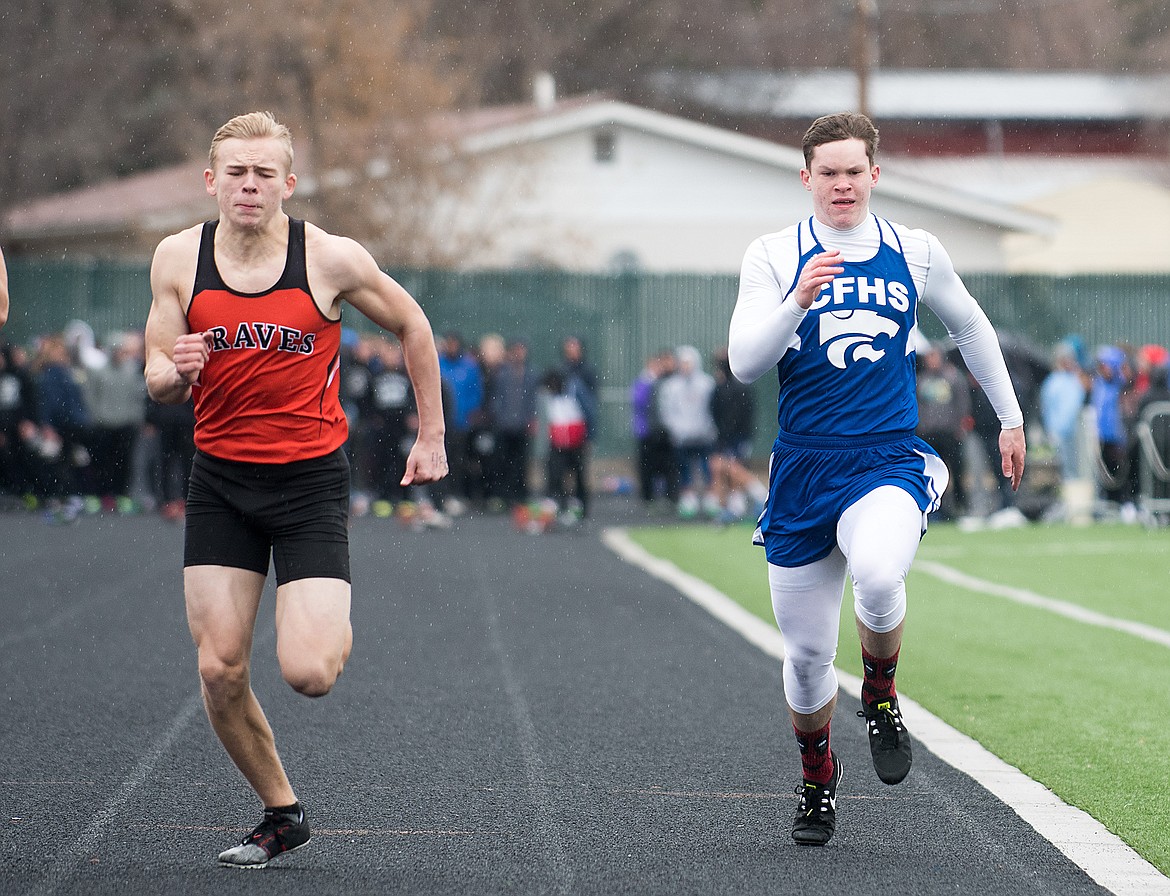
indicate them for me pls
(252, 126)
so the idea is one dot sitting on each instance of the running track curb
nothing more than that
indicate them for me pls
(1084, 840)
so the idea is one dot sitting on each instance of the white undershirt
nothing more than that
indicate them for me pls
(764, 323)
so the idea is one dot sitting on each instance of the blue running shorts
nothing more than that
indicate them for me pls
(813, 479)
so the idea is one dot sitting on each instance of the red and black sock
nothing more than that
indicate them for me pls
(878, 685)
(816, 759)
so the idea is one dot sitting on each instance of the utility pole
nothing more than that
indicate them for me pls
(865, 50)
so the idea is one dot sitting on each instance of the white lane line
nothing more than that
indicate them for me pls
(68, 859)
(545, 821)
(1052, 605)
(65, 867)
(1103, 856)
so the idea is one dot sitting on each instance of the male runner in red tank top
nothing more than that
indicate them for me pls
(246, 318)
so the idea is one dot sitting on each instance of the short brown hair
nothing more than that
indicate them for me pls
(840, 126)
(252, 126)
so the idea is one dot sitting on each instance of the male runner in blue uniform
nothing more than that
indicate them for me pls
(832, 304)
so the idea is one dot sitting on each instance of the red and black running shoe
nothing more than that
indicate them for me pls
(277, 833)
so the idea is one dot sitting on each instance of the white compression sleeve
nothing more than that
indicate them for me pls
(807, 603)
(879, 534)
(967, 324)
(763, 325)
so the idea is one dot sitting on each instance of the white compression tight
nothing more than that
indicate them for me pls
(877, 538)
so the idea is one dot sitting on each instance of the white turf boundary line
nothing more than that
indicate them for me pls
(1032, 599)
(1084, 840)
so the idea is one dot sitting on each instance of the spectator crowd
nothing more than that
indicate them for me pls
(1086, 413)
(694, 433)
(79, 434)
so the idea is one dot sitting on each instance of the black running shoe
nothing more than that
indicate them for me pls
(816, 814)
(276, 834)
(889, 741)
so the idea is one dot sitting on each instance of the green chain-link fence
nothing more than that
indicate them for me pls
(621, 318)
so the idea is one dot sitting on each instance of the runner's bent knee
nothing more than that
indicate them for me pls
(880, 534)
(312, 670)
(313, 678)
(313, 633)
(810, 681)
(224, 680)
(879, 594)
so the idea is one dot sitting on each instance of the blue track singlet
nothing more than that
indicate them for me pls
(848, 407)
(853, 372)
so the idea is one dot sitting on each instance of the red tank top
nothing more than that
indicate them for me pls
(269, 392)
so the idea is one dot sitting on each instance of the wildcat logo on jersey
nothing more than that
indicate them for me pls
(263, 337)
(849, 335)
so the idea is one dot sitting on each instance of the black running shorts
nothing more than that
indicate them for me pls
(243, 514)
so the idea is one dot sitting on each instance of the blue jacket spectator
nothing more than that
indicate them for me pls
(1109, 382)
(1108, 385)
(460, 369)
(464, 383)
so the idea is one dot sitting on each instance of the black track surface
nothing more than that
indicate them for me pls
(521, 714)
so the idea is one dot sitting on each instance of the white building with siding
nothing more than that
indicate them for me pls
(602, 185)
